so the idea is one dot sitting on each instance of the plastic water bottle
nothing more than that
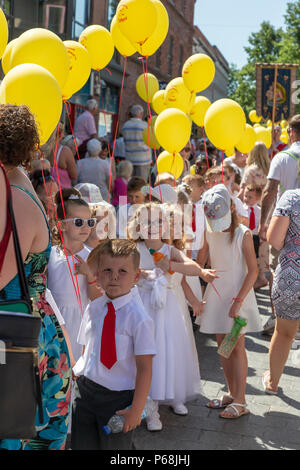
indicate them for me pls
(116, 422)
(230, 340)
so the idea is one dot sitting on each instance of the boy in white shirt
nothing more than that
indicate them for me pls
(116, 367)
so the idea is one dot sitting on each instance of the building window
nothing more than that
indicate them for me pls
(180, 59)
(111, 10)
(170, 55)
(81, 16)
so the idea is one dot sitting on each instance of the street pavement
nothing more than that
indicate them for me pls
(274, 421)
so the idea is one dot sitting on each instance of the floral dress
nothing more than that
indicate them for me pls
(54, 360)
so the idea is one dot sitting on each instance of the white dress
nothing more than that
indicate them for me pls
(175, 374)
(62, 289)
(227, 257)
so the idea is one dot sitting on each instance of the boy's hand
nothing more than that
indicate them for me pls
(198, 308)
(209, 275)
(132, 419)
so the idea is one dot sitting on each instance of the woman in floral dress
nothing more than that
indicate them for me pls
(19, 138)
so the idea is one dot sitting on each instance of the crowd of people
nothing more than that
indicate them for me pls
(125, 264)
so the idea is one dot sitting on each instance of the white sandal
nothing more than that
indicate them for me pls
(218, 403)
(236, 413)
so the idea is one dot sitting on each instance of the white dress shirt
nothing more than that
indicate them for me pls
(134, 333)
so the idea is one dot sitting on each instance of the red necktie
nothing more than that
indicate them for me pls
(252, 219)
(108, 353)
(194, 218)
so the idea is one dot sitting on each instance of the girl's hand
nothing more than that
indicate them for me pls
(163, 264)
(209, 275)
(234, 309)
(82, 267)
(132, 419)
(198, 308)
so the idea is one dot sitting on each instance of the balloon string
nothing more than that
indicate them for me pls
(118, 119)
(148, 120)
(205, 147)
(109, 152)
(223, 166)
(64, 212)
(67, 104)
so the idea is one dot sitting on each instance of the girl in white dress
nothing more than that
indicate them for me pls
(175, 375)
(69, 279)
(231, 251)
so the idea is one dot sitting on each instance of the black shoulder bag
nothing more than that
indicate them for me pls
(20, 388)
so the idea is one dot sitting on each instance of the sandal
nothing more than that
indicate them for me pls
(218, 403)
(265, 382)
(235, 413)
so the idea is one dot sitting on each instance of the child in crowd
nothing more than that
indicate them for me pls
(176, 376)
(165, 178)
(231, 252)
(69, 279)
(135, 197)
(125, 169)
(116, 367)
(252, 197)
(46, 189)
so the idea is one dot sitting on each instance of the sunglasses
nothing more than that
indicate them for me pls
(78, 222)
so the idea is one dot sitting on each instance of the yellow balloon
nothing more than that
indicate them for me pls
(172, 130)
(253, 116)
(178, 96)
(122, 44)
(284, 138)
(149, 135)
(160, 32)
(247, 142)
(229, 152)
(198, 72)
(193, 170)
(137, 19)
(263, 135)
(170, 163)
(35, 87)
(146, 86)
(99, 44)
(225, 123)
(256, 125)
(80, 68)
(158, 101)
(42, 47)
(284, 124)
(3, 33)
(199, 109)
(6, 58)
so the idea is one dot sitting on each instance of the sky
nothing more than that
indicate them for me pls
(229, 23)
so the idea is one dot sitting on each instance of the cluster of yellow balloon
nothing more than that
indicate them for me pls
(41, 70)
(140, 25)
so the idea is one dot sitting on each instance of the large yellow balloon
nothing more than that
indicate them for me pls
(199, 110)
(80, 68)
(225, 123)
(149, 135)
(158, 101)
(178, 96)
(35, 87)
(122, 44)
(284, 124)
(159, 34)
(6, 58)
(198, 72)
(263, 135)
(99, 44)
(42, 47)
(3, 33)
(247, 142)
(170, 163)
(172, 130)
(137, 19)
(146, 86)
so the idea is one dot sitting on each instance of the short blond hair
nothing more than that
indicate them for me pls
(117, 248)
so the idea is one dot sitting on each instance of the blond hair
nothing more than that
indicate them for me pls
(259, 157)
(116, 248)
